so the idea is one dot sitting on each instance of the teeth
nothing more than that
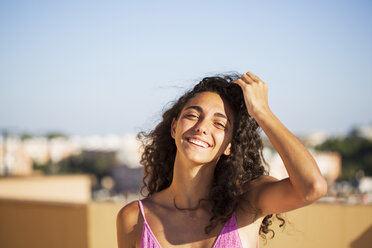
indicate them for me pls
(198, 142)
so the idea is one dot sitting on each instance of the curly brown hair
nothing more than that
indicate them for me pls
(244, 164)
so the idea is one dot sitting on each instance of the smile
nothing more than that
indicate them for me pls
(198, 142)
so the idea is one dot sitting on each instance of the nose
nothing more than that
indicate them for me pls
(201, 127)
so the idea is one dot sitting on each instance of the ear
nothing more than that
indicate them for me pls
(227, 151)
(173, 127)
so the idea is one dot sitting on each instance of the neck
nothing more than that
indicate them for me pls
(191, 183)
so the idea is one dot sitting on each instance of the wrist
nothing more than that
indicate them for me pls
(262, 113)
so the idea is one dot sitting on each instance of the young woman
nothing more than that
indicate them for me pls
(204, 175)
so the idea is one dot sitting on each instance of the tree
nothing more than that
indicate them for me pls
(98, 163)
(356, 153)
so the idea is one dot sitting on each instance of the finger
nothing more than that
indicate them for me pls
(247, 79)
(254, 77)
(239, 82)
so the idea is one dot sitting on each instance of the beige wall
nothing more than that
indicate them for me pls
(42, 225)
(325, 225)
(92, 225)
(56, 188)
(102, 224)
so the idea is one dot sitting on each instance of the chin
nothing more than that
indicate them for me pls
(197, 159)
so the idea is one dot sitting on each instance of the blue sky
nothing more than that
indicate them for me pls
(100, 67)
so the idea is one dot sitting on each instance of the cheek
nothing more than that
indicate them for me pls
(223, 138)
(182, 128)
(185, 125)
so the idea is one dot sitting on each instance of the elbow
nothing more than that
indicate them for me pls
(316, 191)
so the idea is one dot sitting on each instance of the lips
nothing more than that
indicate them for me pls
(198, 142)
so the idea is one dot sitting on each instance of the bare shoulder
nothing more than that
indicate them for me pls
(128, 215)
(128, 226)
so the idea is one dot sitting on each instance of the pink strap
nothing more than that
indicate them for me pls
(142, 211)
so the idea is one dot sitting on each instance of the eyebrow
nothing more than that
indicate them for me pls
(199, 109)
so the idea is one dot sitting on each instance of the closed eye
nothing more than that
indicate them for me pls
(221, 125)
(191, 116)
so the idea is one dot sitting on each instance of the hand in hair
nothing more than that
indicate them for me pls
(255, 93)
(305, 183)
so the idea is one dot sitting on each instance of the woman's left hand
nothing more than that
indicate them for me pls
(255, 93)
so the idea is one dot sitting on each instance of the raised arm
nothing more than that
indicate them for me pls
(305, 183)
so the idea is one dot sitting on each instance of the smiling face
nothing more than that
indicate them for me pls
(203, 129)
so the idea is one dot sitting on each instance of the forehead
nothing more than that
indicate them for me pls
(210, 101)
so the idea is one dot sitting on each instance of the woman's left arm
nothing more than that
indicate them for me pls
(305, 183)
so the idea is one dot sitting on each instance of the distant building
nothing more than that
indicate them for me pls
(365, 184)
(127, 179)
(315, 138)
(365, 131)
(14, 159)
(329, 163)
(17, 155)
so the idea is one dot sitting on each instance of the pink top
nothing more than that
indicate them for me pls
(229, 236)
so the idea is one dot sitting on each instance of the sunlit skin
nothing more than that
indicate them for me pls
(202, 134)
(203, 130)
